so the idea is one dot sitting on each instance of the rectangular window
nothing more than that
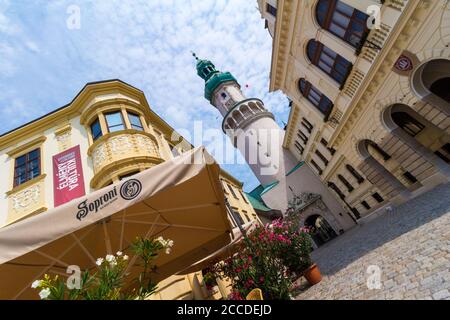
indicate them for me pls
(135, 121)
(272, 10)
(96, 130)
(316, 166)
(27, 167)
(410, 177)
(232, 191)
(236, 215)
(302, 137)
(356, 213)
(378, 197)
(299, 147)
(307, 124)
(365, 205)
(325, 144)
(243, 196)
(114, 121)
(322, 157)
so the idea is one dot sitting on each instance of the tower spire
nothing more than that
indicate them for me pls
(194, 55)
(213, 77)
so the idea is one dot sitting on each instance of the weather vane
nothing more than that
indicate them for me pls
(194, 55)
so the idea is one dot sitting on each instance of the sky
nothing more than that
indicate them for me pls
(46, 57)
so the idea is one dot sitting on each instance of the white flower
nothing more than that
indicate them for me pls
(113, 263)
(125, 257)
(160, 240)
(44, 293)
(170, 243)
(110, 258)
(119, 253)
(36, 284)
(99, 261)
(168, 251)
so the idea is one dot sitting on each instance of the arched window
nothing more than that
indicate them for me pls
(343, 21)
(329, 61)
(317, 98)
(407, 123)
(380, 151)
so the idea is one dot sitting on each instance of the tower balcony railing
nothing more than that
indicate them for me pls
(243, 113)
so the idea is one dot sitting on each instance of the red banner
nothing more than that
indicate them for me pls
(68, 181)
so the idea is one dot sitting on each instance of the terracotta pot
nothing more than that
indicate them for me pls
(313, 275)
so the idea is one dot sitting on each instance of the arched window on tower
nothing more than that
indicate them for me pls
(317, 98)
(337, 67)
(343, 21)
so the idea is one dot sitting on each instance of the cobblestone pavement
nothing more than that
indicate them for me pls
(410, 245)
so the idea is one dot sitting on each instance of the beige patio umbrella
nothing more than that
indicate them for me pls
(178, 200)
(223, 253)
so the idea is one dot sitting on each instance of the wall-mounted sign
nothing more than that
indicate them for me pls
(68, 181)
(405, 63)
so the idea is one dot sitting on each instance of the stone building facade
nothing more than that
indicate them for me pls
(369, 84)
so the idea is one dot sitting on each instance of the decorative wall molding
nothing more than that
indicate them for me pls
(112, 151)
(35, 143)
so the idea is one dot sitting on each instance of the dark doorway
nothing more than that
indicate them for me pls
(441, 88)
(321, 231)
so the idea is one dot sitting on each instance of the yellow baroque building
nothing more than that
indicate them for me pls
(118, 135)
(369, 85)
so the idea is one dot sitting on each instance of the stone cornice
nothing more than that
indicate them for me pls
(27, 184)
(400, 36)
(281, 43)
(291, 125)
(25, 147)
(71, 110)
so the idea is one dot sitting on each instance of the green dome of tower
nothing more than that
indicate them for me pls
(213, 77)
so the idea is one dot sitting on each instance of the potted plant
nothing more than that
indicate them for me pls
(108, 281)
(312, 274)
(295, 251)
(209, 279)
(256, 266)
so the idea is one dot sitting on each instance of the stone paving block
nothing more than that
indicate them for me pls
(441, 295)
(412, 248)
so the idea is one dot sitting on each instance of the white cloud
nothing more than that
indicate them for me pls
(145, 43)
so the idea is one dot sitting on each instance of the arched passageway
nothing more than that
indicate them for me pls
(431, 82)
(428, 140)
(321, 230)
(381, 169)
